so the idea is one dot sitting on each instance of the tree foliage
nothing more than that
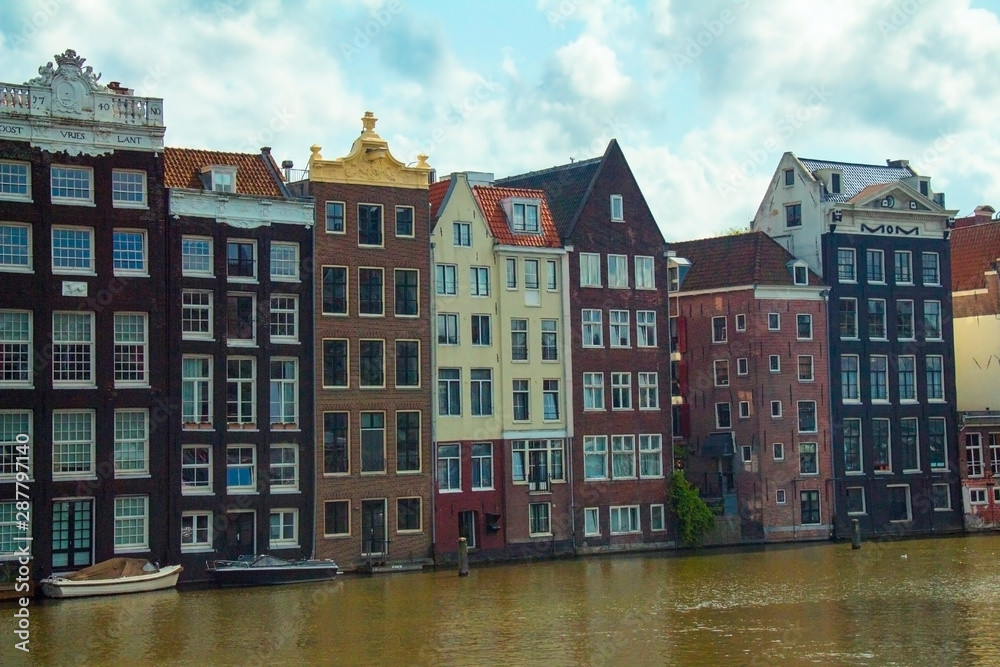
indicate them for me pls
(694, 516)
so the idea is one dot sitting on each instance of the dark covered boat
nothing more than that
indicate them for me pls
(264, 570)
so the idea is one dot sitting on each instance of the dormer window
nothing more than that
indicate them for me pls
(523, 215)
(617, 208)
(800, 272)
(835, 183)
(220, 178)
(924, 188)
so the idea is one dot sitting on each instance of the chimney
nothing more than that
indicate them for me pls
(287, 165)
(903, 164)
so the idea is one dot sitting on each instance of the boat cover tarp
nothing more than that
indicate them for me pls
(114, 568)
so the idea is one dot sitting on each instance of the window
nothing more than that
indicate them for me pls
(285, 261)
(935, 378)
(719, 330)
(977, 496)
(15, 246)
(621, 391)
(72, 250)
(14, 426)
(593, 391)
(538, 519)
(774, 321)
(336, 517)
(284, 525)
(807, 416)
(129, 252)
(408, 519)
(511, 264)
(974, 454)
(481, 381)
(196, 469)
(551, 275)
(651, 455)
(848, 317)
(800, 274)
(519, 340)
(449, 468)
(793, 215)
(196, 315)
(878, 373)
(196, 531)
(804, 327)
(746, 453)
(618, 328)
(808, 460)
(809, 507)
(525, 217)
(741, 322)
(404, 221)
(241, 260)
(407, 363)
(372, 363)
(334, 290)
(906, 369)
(241, 319)
(447, 279)
(617, 271)
(852, 445)
(284, 318)
(461, 234)
(131, 523)
(196, 256)
(370, 292)
(531, 274)
(723, 417)
(930, 268)
(521, 400)
(407, 292)
(778, 451)
(649, 391)
(223, 179)
(482, 466)
(774, 363)
(591, 521)
(335, 361)
(550, 345)
(130, 352)
(876, 318)
(447, 326)
(846, 265)
(335, 217)
(623, 456)
(408, 441)
(15, 348)
(835, 183)
(241, 468)
(241, 390)
(481, 331)
(657, 520)
(779, 497)
(806, 368)
(899, 502)
(284, 468)
(743, 409)
(644, 278)
(932, 320)
(937, 446)
(617, 208)
(875, 264)
(856, 500)
(369, 224)
(479, 281)
(625, 520)
(789, 177)
(72, 349)
(742, 366)
(903, 261)
(284, 396)
(537, 462)
(593, 328)
(881, 446)
(72, 185)
(131, 442)
(449, 392)
(908, 444)
(776, 409)
(15, 180)
(590, 269)
(550, 400)
(904, 320)
(595, 457)
(721, 372)
(336, 436)
(372, 442)
(72, 443)
(645, 328)
(196, 390)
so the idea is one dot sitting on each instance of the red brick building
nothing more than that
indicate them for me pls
(752, 383)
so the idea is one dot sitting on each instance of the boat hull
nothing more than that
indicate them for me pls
(272, 576)
(58, 587)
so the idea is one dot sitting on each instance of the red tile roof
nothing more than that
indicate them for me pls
(182, 169)
(489, 203)
(736, 260)
(436, 196)
(867, 192)
(973, 250)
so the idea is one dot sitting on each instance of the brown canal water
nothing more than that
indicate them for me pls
(928, 602)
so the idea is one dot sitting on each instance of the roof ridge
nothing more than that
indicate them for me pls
(549, 170)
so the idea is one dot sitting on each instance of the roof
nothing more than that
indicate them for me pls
(489, 200)
(566, 187)
(856, 177)
(868, 192)
(436, 194)
(735, 260)
(256, 173)
(973, 251)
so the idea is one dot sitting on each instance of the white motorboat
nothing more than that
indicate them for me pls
(112, 577)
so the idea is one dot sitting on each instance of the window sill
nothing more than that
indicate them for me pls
(283, 545)
(197, 275)
(73, 202)
(855, 473)
(239, 279)
(12, 269)
(284, 279)
(135, 206)
(655, 409)
(137, 385)
(16, 386)
(372, 473)
(131, 274)
(242, 492)
(371, 315)
(205, 549)
(143, 549)
(63, 477)
(336, 387)
(539, 535)
(443, 491)
(410, 472)
(71, 272)
(208, 492)
(335, 314)
(283, 492)
(334, 475)
(284, 341)
(138, 475)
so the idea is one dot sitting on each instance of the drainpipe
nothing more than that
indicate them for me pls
(431, 382)
(832, 484)
(568, 375)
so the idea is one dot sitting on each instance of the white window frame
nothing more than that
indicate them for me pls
(88, 270)
(935, 398)
(186, 257)
(482, 462)
(240, 465)
(29, 249)
(125, 349)
(774, 321)
(774, 363)
(243, 385)
(744, 409)
(87, 342)
(17, 350)
(718, 416)
(222, 178)
(284, 514)
(7, 180)
(204, 382)
(595, 449)
(741, 322)
(198, 489)
(617, 208)
(864, 502)
(645, 272)
(591, 522)
(776, 413)
(650, 456)
(532, 520)
(592, 320)
(593, 389)
(618, 271)
(194, 518)
(725, 329)
(627, 519)
(742, 366)
(937, 269)
(720, 379)
(142, 522)
(129, 439)
(909, 502)
(853, 265)
(63, 199)
(448, 460)
(779, 497)
(623, 457)
(939, 323)
(243, 342)
(619, 324)
(645, 328)
(621, 391)
(14, 445)
(143, 271)
(116, 189)
(590, 269)
(798, 326)
(413, 221)
(649, 390)
(778, 451)
(255, 260)
(284, 417)
(657, 518)
(286, 277)
(283, 486)
(812, 368)
(287, 317)
(880, 255)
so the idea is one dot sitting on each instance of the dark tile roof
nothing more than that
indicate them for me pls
(254, 176)
(489, 199)
(436, 194)
(736, 260)
(973, 250)
(857, 177)
(565, 186)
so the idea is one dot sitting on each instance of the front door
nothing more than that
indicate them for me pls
(72, 531)
(467, 528)
(373, 528)
(241, 534)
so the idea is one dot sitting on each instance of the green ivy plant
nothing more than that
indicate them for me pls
(694, 516)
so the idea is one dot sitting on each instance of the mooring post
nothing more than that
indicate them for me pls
(855, 534)
(463, 557)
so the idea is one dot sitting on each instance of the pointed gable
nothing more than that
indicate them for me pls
(565, 188)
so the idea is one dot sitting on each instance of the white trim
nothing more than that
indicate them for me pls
(971, 292)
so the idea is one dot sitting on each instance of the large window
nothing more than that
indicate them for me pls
(481, 388)
(130, 353)
(899, 502)
(196, 256)
(930, 268)
(537, 462)
(848, 317)
(72, 185)
(522, 400)
(241, 319)
(335, 360)
(856, 500)
(284, 468)
(336, 517)
(196, 390)
(550, 341)
(334, 290)
(449, 392)
(372, 363)
(908, 444)
(446, 283)
(808, 459)
(720, 369)
(881, 446)
(196, 314)
(335, 217)
(876, 318)
(481, 330)
(447, 328)
(719, 333)
(937, 446)
(519, 340)
(72, 250)
(807, 416)
(241, 260)
(590, 269)
(723, 415)
(525, 217)
(806, 368)
(875, 263)
(904, 320)
(511, 265)
(404, 221)
(449, 470)
(407, 292)
(408, 441)
(878, 373)
(593, 391)
(852, 445)
(903, 267)
(593, 328)
(649, 391)
(617, 271)
(284, 318)
(645, 328)
(131, 523)
(809, 507)
(72, 443)
(935, 378)
(284, 261)
(618, 328)
(370, 283)
(595, 457)
(284, 391)
(644, 273)
(131, 442)
(622, 456)
(479, 281)
(336, 438)
(793, 215)
(72, 349)
(196, 469)
(461, 233)
(241, 390)
(407, 363)
(408, 519)
(539, 519)
(129, 252)
(625, 520)
(15, 180)
(621, 391)
(284, 529)
(15, 246)
(850, 387)
(846, 265)
(550, 400)
(15, 348)
(482, 466)
(196, 531)
(531, 274)
(651, 455)
(804, 326)
(932, 320)
(14, 423)
(372, 442)
(369, 224)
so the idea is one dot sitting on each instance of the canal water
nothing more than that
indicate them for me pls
(931, 602)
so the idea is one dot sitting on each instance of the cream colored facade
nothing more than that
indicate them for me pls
(977, 362)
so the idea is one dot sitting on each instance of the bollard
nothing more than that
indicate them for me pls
(463, 557)
(855, 534)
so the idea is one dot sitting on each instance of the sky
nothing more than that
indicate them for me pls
(703, 97)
